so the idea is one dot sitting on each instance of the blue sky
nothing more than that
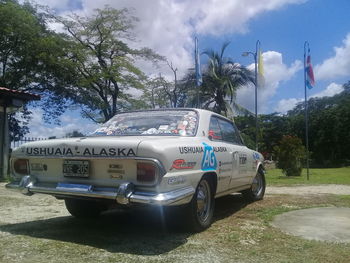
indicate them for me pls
(282, 26)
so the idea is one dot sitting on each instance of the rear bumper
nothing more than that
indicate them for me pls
(123, 194)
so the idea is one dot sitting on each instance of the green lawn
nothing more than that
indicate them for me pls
(317, 176)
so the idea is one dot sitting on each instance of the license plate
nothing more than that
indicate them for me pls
(76, 168)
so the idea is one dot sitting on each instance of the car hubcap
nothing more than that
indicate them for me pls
(203, 201)
(257, 185)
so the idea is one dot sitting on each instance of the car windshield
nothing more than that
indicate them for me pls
(155, 123)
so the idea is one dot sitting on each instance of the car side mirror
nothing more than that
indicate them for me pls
(211, 135)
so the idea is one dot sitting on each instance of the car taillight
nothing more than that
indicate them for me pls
(146, 172)
(21, 166)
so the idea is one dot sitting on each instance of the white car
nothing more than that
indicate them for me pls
(171, 157)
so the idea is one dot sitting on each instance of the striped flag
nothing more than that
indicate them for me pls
(310, 79)
(199, 80)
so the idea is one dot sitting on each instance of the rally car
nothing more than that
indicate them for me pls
(168, 157)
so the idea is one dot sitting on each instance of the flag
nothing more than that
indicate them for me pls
(260, 64)
(198, 65)
(261, 79)
(310, 80)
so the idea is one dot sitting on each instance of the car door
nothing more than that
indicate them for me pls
(223, 153)
(240, 159)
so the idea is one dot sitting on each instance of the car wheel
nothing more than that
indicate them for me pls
(257, 190)
(201, 207)
(84, 208)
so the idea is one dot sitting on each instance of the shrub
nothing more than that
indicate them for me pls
(290, 153)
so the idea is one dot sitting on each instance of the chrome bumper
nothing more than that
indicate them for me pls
(123, 194)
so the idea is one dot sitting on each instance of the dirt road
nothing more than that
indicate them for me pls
(310, 189)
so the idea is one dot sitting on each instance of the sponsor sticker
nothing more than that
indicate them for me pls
(209, 162)
(242, 159)
(181, 164)
(256, 156)
(176, 180)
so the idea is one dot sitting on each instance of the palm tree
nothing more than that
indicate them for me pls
(221, 80)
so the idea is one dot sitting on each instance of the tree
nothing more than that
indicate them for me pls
(155, 93)
(272, 129)
(31, 59)
(329, 124)
(74, 134)
(290, 153)
(221, 80)
(246, 126)
(104, 63)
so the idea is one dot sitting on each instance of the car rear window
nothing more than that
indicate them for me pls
(155, 123)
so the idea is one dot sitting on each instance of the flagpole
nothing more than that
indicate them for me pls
(197, 69)
(257, 50)
(255, 55)
(306, 44)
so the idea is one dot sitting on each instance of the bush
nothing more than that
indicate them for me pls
(290, 154)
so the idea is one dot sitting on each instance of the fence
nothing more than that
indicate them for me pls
(19, 142)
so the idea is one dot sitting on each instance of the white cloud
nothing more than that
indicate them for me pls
(330, 91)
(69, 123)
(275, 71)
(285, 105)
(168, 26)
(336, 66)
(219, 17)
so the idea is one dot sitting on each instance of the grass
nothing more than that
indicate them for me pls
(316, 176)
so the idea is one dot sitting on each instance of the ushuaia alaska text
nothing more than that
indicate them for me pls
(86, 152)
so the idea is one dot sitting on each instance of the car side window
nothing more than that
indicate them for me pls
(229, 133)
(238, 136)
(214, 129)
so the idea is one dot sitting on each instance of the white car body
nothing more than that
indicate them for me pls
(181, 155)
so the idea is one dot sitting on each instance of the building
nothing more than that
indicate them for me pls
(10, 101)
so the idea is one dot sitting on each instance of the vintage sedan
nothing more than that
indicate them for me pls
(168, 157)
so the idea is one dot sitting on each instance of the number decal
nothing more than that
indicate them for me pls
(209, 162)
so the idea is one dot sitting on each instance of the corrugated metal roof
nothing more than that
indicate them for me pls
(18, 94)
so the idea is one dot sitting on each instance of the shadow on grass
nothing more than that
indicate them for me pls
(140, 231)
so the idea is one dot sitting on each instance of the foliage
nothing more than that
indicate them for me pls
(28, 50)
(329, 124)
(30, 59)
(221, 80)
(272, 128)
(74, 134)
(290, 153)
(18, 127)
(103, 62)
(160, 93)
(246, 126)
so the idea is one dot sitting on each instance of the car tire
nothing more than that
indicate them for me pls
(200, 210)
(257, 190)
(84, 208)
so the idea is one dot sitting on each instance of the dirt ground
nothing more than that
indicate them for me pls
(39, 229)
(310, 189)
(39, 207)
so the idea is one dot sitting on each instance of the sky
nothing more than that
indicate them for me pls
(281, 26)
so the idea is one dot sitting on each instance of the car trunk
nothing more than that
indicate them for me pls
(97, 161)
